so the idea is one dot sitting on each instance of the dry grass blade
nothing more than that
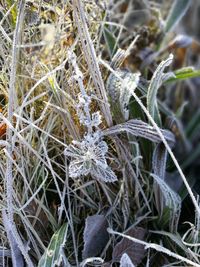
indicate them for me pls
(9, 168)
(90, 54)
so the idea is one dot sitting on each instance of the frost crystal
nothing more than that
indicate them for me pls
(89, 158)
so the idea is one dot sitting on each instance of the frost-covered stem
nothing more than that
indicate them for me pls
(71, 215)
(91, 58)
(16, 244)
(9, 223)
(156, 247)
(151, 120)
(11, 106)
(79, 79)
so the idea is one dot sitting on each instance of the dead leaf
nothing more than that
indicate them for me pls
(135, 251)
(95, 235)
(180, 41)
(3, 128)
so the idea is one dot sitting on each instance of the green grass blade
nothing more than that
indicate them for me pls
(110, 40)
(183, 74)
(193, 126)
(53, 255)
(176, 13)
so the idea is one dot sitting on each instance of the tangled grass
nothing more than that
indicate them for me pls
(99, 146)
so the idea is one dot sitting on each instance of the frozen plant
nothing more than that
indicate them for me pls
(88, 156)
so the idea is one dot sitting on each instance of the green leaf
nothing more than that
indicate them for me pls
(176, 13)
(53, 255)
(13, 11)
(110, 40)
(120, 92)
(183, 74)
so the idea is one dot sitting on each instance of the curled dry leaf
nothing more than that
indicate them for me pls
(95, 235)
(135, 251)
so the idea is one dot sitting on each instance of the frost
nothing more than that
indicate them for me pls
(126, 261)
(96, 119)
(122, 91)
(89, 158)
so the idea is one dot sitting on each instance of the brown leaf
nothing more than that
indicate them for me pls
(95, 235)
(135, 251)
(3, 128)
(180, 41)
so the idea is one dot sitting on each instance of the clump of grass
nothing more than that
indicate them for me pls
(87, 90)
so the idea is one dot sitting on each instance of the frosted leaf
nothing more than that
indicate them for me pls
(135, 251)
(78, 168)
(172, 201)
(101, 149)
(126, 261)
(131, 81)
(72, 151)
(96, 119)
(104, 174)
(154, 85)
(140, 129)
(83, 109)
(122, 91)
(95, 235)
(88, 157)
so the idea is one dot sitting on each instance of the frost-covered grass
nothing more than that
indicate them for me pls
(99, 138)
